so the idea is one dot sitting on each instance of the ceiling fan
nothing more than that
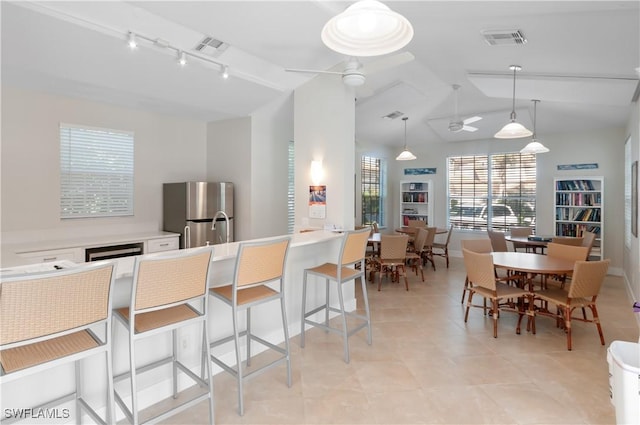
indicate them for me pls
(457, 124)
(355, 73)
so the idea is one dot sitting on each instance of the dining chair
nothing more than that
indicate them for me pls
(520, 231)
(53, 318)
(565, 240)
(372, 249)
(258, 278)
(169, 293)
(441, 249)
(583, 292)
(414, 255)
(393, 255)
(498, 242)
(352, 252)
(588, 238)
(482, 246)
(483, 281)
(427, 251)
(566, 252)
(416, 223)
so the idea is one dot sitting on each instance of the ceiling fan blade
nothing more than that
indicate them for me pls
(469, 128)
(387, 62)
(313, 71)
(472, 119)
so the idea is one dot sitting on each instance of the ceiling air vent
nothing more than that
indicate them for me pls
(504, 37)
(211, 47)
(393, 115)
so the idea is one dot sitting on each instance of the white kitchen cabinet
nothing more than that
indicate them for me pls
(71, 254)
(162, 244)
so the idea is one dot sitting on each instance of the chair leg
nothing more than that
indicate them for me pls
(345, 333)
(567, 324)
(446, 254)
(596, 319)
(326, 305)
(494, 302)
(404, 273)
(464, 288)
(304, 308)
(469, 298)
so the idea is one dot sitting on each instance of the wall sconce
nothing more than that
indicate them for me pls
(316, 172)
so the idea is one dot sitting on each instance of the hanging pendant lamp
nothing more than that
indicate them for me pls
(405, 155)
(534, 146)
(513, 130)
(367, 28)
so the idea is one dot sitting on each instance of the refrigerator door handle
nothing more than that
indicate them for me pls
(187, 236)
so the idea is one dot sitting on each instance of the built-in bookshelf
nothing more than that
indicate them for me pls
(578, 208)
(416, 201)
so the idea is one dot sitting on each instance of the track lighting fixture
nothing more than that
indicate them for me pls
(182, 55)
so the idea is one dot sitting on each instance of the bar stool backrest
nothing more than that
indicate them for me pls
(46, 305)
(480, 269)
(354, 246)
(164, 279)
(261, 262)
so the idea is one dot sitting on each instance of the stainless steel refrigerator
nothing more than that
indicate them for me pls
(191, 207)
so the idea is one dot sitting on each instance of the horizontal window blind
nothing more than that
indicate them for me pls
(492, 191)
(372, 186)
(96, 172)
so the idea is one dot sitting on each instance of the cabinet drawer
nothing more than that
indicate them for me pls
(163, 244)
(35, 257)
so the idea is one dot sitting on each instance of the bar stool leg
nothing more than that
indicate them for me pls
(326, 305)
(249, 337)
(304, 307)
(366, 308)
(76, 365)
(134, 387)
(345, 334)
(286, 339)
(174, 365)
(110, 410)
(236, 339)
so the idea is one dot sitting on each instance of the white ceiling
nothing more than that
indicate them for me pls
(580, 61)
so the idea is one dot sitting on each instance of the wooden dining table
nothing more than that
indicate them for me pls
(412, 230)
(532, 244)
(531, 265)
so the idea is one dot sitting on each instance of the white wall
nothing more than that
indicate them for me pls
(324, 128)
(166, 149)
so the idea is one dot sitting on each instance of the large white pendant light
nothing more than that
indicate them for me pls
(513, 130)
(534, 146)
(405, 155)
(367, 28)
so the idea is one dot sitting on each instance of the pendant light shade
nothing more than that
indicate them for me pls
(534, 146)
(367, 28)
(513, 130)
(405, 155)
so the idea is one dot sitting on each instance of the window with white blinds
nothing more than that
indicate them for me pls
(492, 191)
(291, 186)
(372, 186)
(96, 172)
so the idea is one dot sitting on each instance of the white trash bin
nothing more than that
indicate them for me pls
(624, 366)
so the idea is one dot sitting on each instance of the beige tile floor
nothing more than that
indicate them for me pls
(427, 366)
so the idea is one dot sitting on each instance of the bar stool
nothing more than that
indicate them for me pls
(169, 292)
(53, 318)
(257, 264)
(352, 252)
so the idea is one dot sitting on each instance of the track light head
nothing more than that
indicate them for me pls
(133, 43)
(182, 58)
